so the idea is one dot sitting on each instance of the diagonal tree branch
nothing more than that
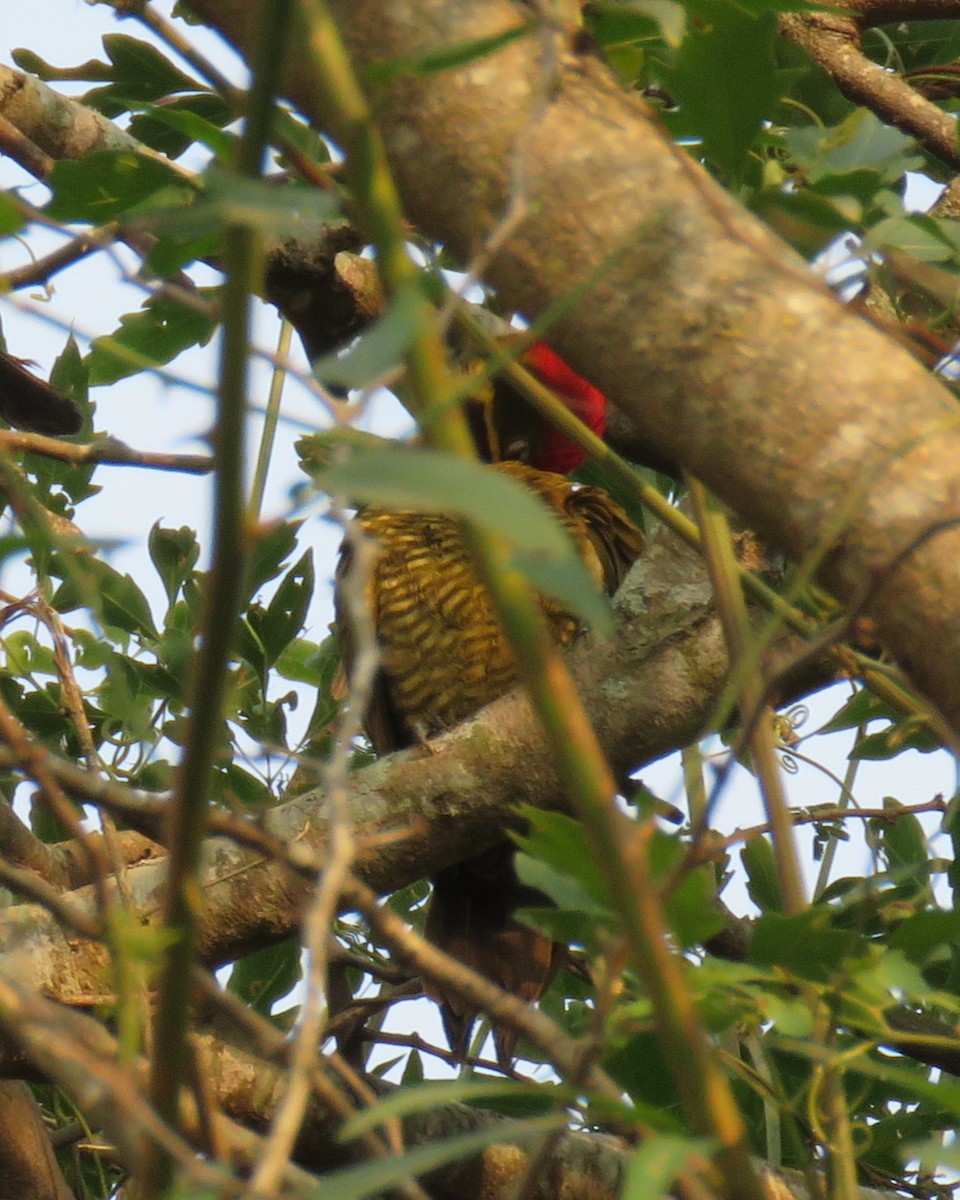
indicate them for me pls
(833, 41)
(648, 691)
(713, 337)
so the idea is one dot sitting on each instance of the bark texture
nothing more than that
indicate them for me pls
(721, 348)
(648, 691)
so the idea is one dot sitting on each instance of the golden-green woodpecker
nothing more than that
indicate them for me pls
(444, 655)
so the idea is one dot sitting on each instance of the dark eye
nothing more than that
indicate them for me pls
(517, 451)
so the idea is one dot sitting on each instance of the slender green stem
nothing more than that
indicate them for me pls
(183, 903)
(731, 604)
(829, 1115)
(691, 759)
(580, 763)
(270, 420)
(843, 802)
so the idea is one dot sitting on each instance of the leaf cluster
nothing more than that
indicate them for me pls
(97, 665)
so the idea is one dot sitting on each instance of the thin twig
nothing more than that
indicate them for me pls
(731, 605)
(242, 254)
(42, 270)
(827, 816)
(271, 1044)
(335, 775)
(106, 450)
(48, 896)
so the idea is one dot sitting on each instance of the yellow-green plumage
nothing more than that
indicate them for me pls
(443, 652)
(443, 656)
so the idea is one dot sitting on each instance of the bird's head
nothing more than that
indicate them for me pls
(506, 427)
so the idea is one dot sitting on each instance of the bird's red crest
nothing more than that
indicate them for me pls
(557, 453)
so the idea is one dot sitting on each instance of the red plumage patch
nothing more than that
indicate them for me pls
(558, 453)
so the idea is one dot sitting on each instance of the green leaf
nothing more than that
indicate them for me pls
(173, 127)
(558, 841)
(763, 884)
(567, 926)
(640, 1068)
(859, 143)
(141, 70)
(262, 978)
(174, 249)
(325, 666)
(157, 776)
(629, 35)
(862, 707)
(174, 554)
(918, 936)
(429, 481)
(692, 909)
(275, 210)
(238, 788)
(654, 1165)
(26, 656)
(28, 60)
(106, 184)
(273, 545)
(903, 839)
(724, 78)
(293, 134)
(114, 598)
(882, 974)
(904, 734)
(915, 235)
(379, 348)
(301, 661)
(473, 1090)
(287, 611)
(92, 651)
(670, 16)
(175, 651)
(122, 695)
(564, 890)
(43, 713)
(806, 944)
(921, 44)
(150, 338)
(11, 215)
(413, 1070)
(793, 1018)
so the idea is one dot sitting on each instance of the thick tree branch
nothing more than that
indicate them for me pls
(57, 125)
(726, 354)
(833, 41)
(648, 692)
(303, 279)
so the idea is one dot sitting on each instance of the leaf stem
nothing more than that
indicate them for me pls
(270, 421)
(580, 763)
(183, 901)
(732, 607)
